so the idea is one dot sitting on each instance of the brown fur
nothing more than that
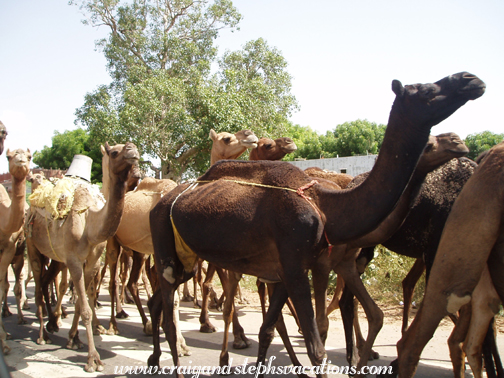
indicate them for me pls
(269, 149)
(473, 235)
(276, 234)
(342, 179)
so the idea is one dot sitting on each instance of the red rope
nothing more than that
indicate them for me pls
(300, 192)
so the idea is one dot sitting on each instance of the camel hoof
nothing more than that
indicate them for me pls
(241, 343)
(183, 350)
(26, 306)
(207, 328)
(41, 341)
(52, 327)
(75, 344)
(187, 298)
(153, 361)
(22, 321)
(122, 315)
(6, 349)
(6, 313)
(113, 331)
(374, 356)
(99, 330)
(148, 328)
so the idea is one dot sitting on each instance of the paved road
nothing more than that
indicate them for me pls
(132, 347)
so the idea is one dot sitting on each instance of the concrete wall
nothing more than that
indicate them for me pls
(352, 165)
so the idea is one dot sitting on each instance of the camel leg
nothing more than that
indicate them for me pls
(485, 305)
(198, 281)
(205, 325)
(261, 290)
(338, 291)
(5, 260)
(229, 310)
(320, 279)
(37, 263)
(456, 340)
(282, 331)
(126, 265)
(112, 256)
(136, 268)
(296, 282)
(408, 285)
(144, 276)
(19, 287)
(348, 269)
(76, 271)
(54, 269)
(155, 305)
(59, 311)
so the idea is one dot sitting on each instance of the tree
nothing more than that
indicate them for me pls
(64, 146)
(359, 137)
(479, 142)
(307, 142)
(163, 96)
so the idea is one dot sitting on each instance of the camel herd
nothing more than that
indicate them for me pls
(271, 220)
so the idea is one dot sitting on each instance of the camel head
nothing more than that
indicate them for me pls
(3, 135)
(440, 149)
(134, 176)
(36, 179)
(119, 159)
(429, 104)
(230, 146)
(19, 163)
(269, 149)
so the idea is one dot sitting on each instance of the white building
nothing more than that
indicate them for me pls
(352, 165)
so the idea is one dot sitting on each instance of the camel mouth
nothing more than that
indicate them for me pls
(249, 144)
(132, 160)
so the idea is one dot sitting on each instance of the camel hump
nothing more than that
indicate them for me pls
(150, 184)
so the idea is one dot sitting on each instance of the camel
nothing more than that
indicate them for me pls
(342, 179)
(472, 239)
(269, 149)
(12, 212)
(438, 151)
(76, 238)
(3, 135)
(270, 220)
(134, 232)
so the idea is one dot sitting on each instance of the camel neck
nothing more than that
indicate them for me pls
(369, 203)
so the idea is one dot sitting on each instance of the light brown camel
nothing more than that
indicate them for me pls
(12, 210)
(134, 231)
(472, 238)
(269, 149)
(74, 240)
(342, 179)
(3, 135)
(439, 150)
(257, 218)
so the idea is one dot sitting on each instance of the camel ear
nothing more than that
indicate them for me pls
(105, 149)
(9, 154)
(397, 88)
(213, 135)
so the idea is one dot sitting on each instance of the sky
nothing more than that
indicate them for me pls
(342, 56)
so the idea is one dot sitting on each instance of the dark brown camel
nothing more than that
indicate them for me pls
(472, 239)
(438, 150)
(275, 231)
(420, 233)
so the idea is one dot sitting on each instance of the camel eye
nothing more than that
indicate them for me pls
(114, 154)
(226, 140)
(268, 146)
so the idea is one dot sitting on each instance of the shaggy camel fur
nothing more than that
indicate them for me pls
(77, 239)
(472, 238)
(275, 231)
(269, 149)
(12, 212)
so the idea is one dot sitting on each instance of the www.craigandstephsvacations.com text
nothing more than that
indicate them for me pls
(252, 370)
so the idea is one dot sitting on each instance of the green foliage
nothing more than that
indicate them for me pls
(384, 274)
(359, 137)
(163, 96)
(480, 142)
(64, 146)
